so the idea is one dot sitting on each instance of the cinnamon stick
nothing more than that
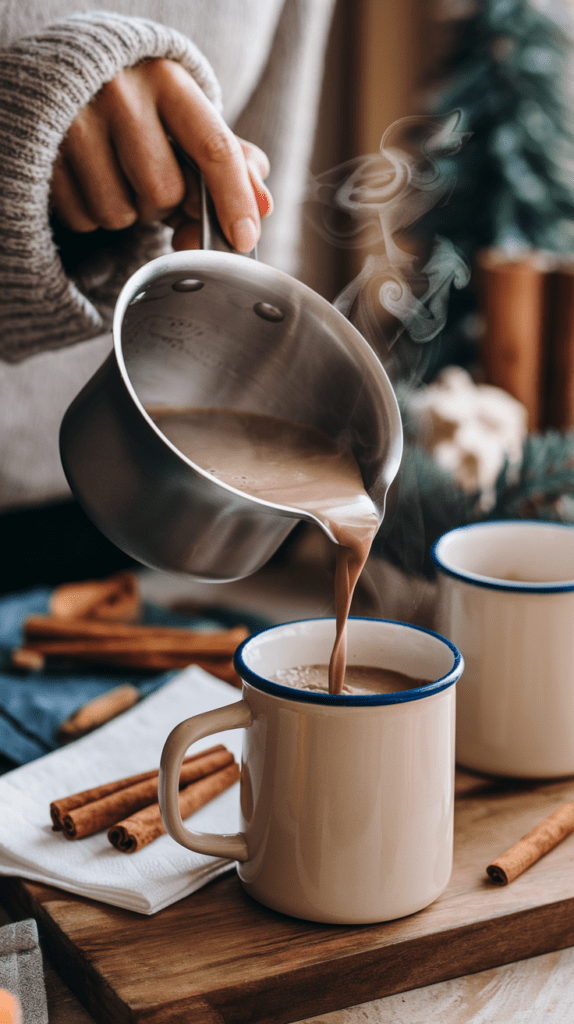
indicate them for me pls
(93, 817)
(82, 647)
(142, 828)
(97, 712)
(116, 598)
(27, 659)
(143, 661)
(150, 648)
(39, 628)
(60, 808)
(534, 845)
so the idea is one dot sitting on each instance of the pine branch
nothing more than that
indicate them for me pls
(425, 502)
(543, 487)
(508, 76)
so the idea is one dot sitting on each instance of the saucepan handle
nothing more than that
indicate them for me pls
(211, 235)
(234, 716)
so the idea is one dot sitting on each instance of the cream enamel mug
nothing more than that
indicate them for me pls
(346, 801)
(506, 599)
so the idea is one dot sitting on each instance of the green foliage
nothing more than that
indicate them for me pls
(543, 487)
(507, 74)
(508, 77)
(423, 504)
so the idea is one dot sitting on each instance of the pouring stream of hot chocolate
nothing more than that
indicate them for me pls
(287, 464)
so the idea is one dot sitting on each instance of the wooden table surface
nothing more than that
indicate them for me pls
(540, 988)
(527, 992)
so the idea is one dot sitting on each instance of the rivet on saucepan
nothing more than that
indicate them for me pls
(189, 284)
(268, 312)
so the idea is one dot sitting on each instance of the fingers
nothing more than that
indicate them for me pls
(258, 169)
(143, 149)
(255, 157)
(66, 200)
(117, 165)
(88, 153)
(190, 208)
(262, 195)
(185, 219)
(198, 128)
(186, 235)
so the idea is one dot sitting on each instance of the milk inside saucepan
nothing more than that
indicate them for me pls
(287, 464)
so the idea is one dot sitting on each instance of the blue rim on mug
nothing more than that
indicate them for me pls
(349, 700)
(494, 582)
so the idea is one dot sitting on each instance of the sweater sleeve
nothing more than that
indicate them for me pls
(44, 81)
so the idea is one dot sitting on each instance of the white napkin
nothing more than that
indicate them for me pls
(163, 871)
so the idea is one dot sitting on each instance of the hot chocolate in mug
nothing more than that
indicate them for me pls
(506, 599)
(346, 799)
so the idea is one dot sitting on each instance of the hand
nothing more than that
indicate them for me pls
(116, 164)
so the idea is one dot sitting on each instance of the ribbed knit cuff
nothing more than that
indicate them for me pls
(44, 81)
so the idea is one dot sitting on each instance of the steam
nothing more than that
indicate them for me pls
(373, 202)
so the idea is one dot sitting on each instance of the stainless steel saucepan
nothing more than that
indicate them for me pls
(212, 328)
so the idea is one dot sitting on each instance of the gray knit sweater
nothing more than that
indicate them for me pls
(259, 61)
(44, 80)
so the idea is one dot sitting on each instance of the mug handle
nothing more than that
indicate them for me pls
(234, 716)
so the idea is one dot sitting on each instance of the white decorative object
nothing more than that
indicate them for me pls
(470, 429)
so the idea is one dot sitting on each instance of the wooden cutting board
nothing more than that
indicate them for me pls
(218, 957)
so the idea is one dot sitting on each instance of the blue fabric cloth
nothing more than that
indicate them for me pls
(33, 705)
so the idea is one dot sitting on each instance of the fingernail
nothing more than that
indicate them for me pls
(264, 198)
(245, 234)
(265, 204)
